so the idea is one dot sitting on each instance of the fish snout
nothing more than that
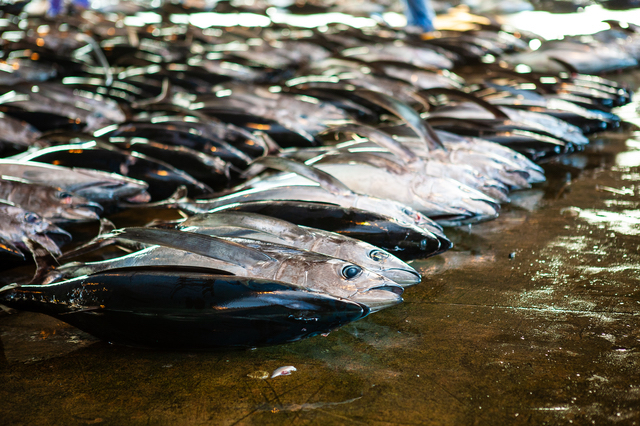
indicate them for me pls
(87, 210)
(90, 205)
(57, 234)
(139, 198)
(497, 192)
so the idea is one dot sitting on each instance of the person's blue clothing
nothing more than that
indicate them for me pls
(57, 6)
(419, 13)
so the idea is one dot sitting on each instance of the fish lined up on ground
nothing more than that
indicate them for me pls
(323, 188)
(204, 126)
(51, 106)
(304, 116)
(179, 136)
(588, 120)
(211, 171)
(486, 157)
(398, 157)
(193, 247)
(514, 119)
(269, 229)
(217, 107)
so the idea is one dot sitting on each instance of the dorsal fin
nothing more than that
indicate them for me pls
(569, 67)
(103, 239)
(165, 93)
(369, 158)
(380, 138)
(325, 180)
(245, 220)
(405, 113)
(8, 247)
(497, 112)
(204, 245)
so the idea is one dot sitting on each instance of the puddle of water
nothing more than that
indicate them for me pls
(628, 159)
(626, 222)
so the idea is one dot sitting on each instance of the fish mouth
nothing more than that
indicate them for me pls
(140, 198)
(517, 179)
(495, 192)
(85, 211)
(90, 205)
(536, 176)
(489, 207)
(392, 288)
(379, 298)
(404, 277)
(60, 236)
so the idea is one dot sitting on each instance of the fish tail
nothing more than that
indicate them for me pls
(8, 288)
(43, 258)
(6, 310)
(4, 299)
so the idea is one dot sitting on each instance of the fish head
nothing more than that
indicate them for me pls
(73, 207)
(465, 200)
(379, 261)
(102, 186)
(378, 299)
(391, 267)
(28, 225)
(347, 280)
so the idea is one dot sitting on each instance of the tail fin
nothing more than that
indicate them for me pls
(101, 240)
(5, 310)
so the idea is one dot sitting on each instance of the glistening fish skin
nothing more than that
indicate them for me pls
(162, 179)
(249, 258)
(185, 310)
(95, 185)
(375, 228)
(269, 229)
(447, 201)
(399, 212)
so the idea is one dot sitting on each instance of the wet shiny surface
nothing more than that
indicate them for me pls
(531, 319)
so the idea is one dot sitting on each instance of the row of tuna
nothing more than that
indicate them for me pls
(305, 164)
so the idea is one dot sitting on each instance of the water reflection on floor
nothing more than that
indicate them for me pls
(531, 318)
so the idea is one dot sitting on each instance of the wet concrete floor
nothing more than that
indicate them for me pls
(530, 319)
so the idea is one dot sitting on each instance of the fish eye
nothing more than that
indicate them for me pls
(351, 271)
(31, 217)
(378, 255)
(62, 195)
(411, 213)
